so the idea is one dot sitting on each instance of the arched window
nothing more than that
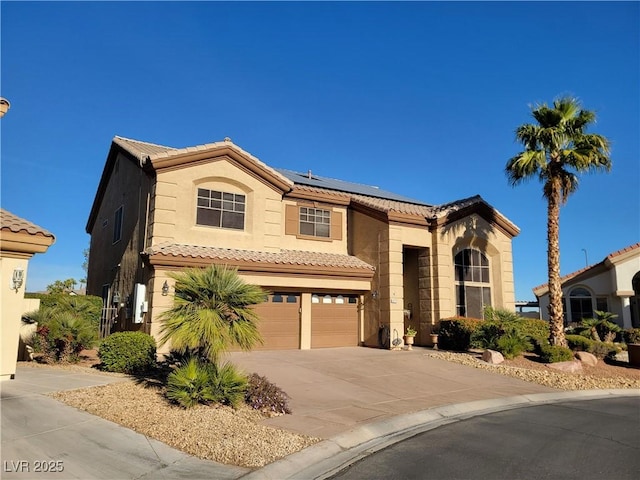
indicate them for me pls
(581, 304)
(473, 284)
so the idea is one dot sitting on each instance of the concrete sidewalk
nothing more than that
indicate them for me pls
(358, 399)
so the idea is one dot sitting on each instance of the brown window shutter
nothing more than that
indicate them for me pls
(291, 220)
(336, 225)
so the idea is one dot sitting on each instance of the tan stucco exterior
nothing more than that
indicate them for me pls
(19, 241)
(405, 252)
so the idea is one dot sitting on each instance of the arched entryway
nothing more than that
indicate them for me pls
(635, 301)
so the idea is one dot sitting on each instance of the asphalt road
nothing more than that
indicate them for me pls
(594, 439)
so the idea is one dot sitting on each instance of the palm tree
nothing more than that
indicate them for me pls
(211, 312)
(556, 150)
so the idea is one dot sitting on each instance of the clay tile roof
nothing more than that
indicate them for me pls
(569, 276)
(623, 250)
(139, 149)
(287, 257)
(13, 223)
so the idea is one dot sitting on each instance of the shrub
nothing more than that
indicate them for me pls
(631, 335)
(512, 344)
(128, 352)
(533, 328)
(190, 384)
(63, 336)
(265, 396)
(555, 353)
(579, 342)
(228, 385)
(455, 333)
(486, 336)
(603, 349)
(89, 307)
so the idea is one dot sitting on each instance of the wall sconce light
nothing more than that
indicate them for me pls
(116, 298)
(17, 279)
(374, 294)
(165, 289)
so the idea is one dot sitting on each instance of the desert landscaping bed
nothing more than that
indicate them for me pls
(236, 437)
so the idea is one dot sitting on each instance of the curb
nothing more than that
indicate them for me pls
(327, 458)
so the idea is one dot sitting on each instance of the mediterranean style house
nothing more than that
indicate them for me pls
(612, 285)
(345, 264)
(19, 241)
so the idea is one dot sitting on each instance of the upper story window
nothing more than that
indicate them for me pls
(117, 224)
(220, 209)
(473, 287)
(315, 222)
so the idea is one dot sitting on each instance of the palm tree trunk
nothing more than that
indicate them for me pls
(556, 317)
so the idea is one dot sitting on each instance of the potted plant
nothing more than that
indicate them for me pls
(409, 336)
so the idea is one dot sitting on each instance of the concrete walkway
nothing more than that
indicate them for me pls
(358, 399)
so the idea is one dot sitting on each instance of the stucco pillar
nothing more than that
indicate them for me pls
(12, 301)
(626, 307)
(305, 321)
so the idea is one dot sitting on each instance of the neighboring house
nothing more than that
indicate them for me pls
(19, 241)
(346, 264)
(612, 285)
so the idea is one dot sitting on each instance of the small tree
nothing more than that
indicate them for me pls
(211, 312)
(62, 286)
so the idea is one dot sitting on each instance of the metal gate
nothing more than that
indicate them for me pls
(107, 320)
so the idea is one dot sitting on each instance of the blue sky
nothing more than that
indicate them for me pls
(420, 98)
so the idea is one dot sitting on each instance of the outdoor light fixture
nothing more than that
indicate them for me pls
(116, 297)
(165, 289)
(374, 294)
(17, 279)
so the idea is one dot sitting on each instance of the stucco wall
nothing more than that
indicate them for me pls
(11, 309)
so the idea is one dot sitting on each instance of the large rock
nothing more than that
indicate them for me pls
(587, 358)
(572, 366)
(492, 357)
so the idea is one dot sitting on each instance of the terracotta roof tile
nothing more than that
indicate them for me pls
(13, 223)
(569, 276)
(287, 257)
(139, 149)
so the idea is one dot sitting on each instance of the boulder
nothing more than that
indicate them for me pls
(587, 358)
(572, 366)
(492, 357)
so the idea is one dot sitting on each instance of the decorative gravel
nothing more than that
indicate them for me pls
(602, 376)
(216, 433)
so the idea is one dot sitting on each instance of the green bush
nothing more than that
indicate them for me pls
(555, 353)
(603, 349)
(63, 336)
(265, 396)
(533, 328)
(128, 352)
(455, 332)
(190, 384)
(200, 381)
(88, 307)
(512, 344)
(227, 384)
(486, 335)
(631, 335)
(579, 342)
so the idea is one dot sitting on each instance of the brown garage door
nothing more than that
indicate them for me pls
(334, 321)
(280, 322)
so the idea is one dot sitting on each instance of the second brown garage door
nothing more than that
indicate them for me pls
(279, 322)
(334, 321)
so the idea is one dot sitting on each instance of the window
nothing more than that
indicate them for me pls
(580, 304)
(315, 222)
(473, 288)
(117, 224)
(220, 209)
(602, 304)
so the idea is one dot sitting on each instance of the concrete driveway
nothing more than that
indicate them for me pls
(337, 389)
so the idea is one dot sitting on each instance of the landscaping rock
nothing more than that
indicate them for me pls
(492, 357)
(587, 358)
(572, 366)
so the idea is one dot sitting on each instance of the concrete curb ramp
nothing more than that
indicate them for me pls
(327, 458)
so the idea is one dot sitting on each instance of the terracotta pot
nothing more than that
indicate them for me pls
(434, 340)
